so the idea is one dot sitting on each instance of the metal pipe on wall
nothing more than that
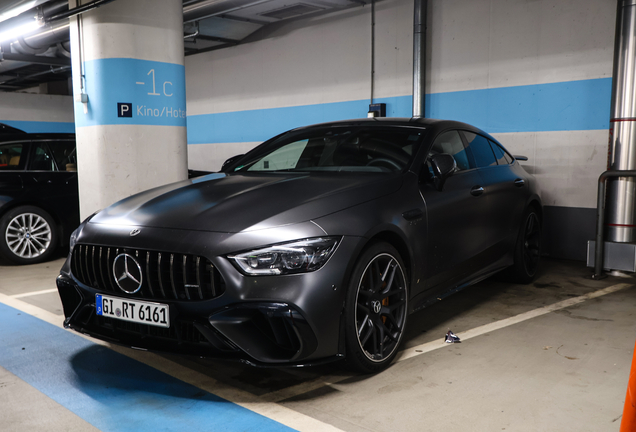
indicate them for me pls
(372, 48)
(419, 57)
(621, 194)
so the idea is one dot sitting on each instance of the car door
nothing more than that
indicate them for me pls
(52, 179)
(12, 162)
(457, 216)
(503, 193)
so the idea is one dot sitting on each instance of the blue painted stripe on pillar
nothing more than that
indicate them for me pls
(574, 105)
(154, 93)
(109, 390)
(41, 126)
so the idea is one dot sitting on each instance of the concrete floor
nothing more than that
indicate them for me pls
(551, 356)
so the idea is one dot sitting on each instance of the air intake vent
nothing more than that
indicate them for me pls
(291, 11)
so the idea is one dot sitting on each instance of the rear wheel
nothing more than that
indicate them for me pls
(27, 235)
(527, 249)
(376, 309)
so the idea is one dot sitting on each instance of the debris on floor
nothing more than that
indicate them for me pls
(452, 337)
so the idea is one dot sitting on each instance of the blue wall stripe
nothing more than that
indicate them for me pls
(259, 125)
(109, 390)
(565, 106)
(41, 127)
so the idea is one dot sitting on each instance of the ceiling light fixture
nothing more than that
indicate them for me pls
(20, 30)
(18, 10)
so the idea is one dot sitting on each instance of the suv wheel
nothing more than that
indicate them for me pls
(28, 235)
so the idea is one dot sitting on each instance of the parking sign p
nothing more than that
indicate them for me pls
(124, 109)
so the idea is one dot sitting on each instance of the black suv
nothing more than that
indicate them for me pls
(39, 204)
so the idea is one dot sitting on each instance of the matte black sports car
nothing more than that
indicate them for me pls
(39, 205)
(314, 246)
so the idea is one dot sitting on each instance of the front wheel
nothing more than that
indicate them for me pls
(376, 309)
(27, 235)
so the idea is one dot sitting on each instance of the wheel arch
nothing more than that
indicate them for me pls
(390, 236)
(535, 204)
(59, 223)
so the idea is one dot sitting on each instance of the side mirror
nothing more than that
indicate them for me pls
(444, 165)
(230, 161)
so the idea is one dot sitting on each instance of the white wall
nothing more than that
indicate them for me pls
(484, 44)
(36, 112)
(316, 61)
(472, 45)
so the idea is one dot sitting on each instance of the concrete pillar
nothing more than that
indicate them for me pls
(129, 91)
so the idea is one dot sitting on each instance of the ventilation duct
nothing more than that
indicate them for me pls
(291, 11)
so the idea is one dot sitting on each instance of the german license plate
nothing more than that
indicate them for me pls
(155, 314)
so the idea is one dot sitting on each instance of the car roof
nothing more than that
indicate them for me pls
(10, 133)
(35, 136)
(425, 123)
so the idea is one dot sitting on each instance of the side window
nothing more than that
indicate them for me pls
(450, 142)
(503, 158)
(10, 156)
(42, 159)
(286, 157)
(480, 149)
(64, 155)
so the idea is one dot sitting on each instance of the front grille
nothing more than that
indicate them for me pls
(166, 276)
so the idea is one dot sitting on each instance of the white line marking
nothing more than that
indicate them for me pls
(478, 331)
(279, 413)
(415, 351)
(140, 83)
(34, 293)
(266, 404)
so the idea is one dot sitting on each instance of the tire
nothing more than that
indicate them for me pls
(527, 249)
(28, 235)
(376, 309)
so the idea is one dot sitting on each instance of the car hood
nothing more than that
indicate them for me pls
(247, 201)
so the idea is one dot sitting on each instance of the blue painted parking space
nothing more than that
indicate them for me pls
(110, 390)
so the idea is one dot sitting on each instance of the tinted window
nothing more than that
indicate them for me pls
(10, 155)
(64, 155)
(337, 149)
(480, 149)
(503, 158)
(451, 143)
(42, 159)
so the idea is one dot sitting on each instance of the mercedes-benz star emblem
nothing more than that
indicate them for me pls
(134, 232)
(377, 306)
(127, 273)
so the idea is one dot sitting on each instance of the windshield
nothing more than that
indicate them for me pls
(337, 149)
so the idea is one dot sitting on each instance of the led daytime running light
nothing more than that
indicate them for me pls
(299, 256)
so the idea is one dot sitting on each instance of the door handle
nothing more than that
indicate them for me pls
(477, 190)
(413, 214)
(520, 182)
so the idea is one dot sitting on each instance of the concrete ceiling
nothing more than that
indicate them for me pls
(43, 59)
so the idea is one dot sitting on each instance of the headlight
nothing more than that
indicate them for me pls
(286, 258)
(75, 234)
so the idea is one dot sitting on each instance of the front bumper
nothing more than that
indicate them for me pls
(266, 320)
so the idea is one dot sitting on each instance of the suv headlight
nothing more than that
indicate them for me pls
(299, 256)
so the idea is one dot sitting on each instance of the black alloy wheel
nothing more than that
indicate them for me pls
(28, 235)
(376, 309)
(527, 249)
